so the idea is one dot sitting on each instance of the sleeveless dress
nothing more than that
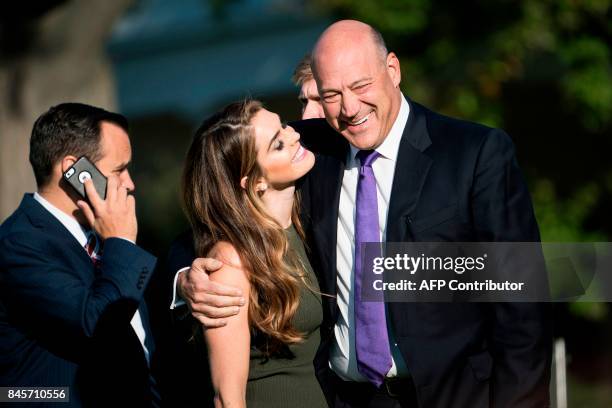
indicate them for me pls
(281, 382)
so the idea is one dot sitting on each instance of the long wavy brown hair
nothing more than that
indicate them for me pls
(222, 153)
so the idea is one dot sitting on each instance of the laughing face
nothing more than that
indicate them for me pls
(280, 155)
(359, 88)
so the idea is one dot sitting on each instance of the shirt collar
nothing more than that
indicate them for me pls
(390, 146)
(72, 225)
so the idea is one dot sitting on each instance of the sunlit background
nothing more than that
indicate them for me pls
(541, 70)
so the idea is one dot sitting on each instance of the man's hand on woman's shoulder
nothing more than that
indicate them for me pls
(211, 303)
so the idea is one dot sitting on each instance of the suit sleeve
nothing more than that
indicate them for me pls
(62, 306)
(180, 256)
(181, 253)
(520, 334)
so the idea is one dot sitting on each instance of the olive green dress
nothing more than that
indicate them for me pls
(281, 382)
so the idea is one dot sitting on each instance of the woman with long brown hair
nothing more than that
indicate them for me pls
(239, 195)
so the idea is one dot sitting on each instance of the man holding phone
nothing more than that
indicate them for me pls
(72, 312)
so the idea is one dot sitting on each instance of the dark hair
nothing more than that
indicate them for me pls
(68, 129)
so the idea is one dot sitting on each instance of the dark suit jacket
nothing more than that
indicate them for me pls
(65, 323)
(459, 182)
(454, 181)
(184, 349)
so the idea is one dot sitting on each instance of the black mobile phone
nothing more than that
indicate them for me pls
(80, 172)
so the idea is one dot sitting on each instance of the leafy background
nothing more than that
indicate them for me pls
(539, 69)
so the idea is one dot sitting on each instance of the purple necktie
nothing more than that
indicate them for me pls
(371, 338)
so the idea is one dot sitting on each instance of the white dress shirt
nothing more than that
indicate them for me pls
(176, 300)
(342, 355)
(80, 235)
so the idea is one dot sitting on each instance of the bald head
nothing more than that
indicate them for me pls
(351, 33)
(358, 81)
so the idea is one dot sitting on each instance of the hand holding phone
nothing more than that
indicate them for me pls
(83, 170)
(112, 214)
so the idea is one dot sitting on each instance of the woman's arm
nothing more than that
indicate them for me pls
(229, 345)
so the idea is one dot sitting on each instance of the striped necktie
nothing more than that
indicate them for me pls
(94, 248)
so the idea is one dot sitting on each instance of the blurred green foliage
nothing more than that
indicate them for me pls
(563, 221)
(458, 55)
(467, 58)
(540, 69)
(582, 394)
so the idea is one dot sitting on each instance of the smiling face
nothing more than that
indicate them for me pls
(359, 87)
(280, 155)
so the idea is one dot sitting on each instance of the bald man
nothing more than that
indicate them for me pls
(390, 169)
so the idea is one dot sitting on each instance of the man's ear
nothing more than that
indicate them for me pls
(67, 162)
(393, 68)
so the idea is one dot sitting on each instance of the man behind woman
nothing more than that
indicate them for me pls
(239, 195)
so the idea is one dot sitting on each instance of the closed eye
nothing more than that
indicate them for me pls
(361, 86)
(330, 97)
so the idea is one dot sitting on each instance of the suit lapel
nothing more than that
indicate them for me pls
(408, 183)
(325, 226)
(43, 219)
(409, 178)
